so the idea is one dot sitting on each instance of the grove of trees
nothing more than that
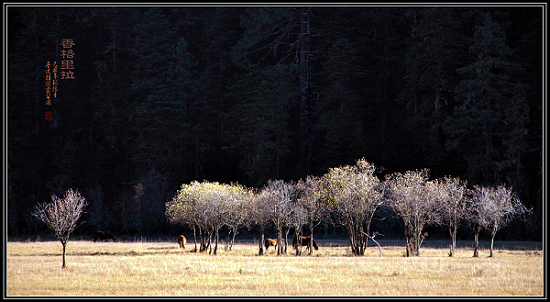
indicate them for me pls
(170, 95)
(347, 195)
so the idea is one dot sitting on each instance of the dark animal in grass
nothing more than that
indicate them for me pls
(102, 235)
(182, 241)
(304, 241)
(271, 242)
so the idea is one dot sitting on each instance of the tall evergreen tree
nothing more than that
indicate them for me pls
(275, 39)
(211, 41)
(385, 40)
(489, 125)
(261, 111)
(430, 78)
(163, 78)
(341, 104)
(111, 91)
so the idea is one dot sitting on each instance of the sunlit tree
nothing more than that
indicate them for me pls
(454, 205)
(61, 216)
(258, 217)
(278, 196)
(310, 196)
(236, 210)
(413, 198)
(182, 208)
(206, 206)
(354, 193)
(493, 208)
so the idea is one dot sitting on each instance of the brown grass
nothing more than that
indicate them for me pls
(161, 269)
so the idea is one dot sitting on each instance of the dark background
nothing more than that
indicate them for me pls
(166, 95)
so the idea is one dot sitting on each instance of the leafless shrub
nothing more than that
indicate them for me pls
(354, 193)
(414, 199)
(493, 208)
(61, 216)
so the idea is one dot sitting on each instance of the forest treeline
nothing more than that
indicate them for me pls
(163, 96)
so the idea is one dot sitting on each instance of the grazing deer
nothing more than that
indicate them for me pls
(182, 241)
(304, 241)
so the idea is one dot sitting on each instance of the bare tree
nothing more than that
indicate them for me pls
(182, 209)
(277, 196)
(224, 207)
(192, 205)
(414, 199)
(354, 193)
(454, 205)
(237, 211)
(309, 198)
(296, 220)
(257, 218)
(61, 216)
(492, 209)
(208, 206)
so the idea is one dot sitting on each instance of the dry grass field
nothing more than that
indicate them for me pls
(148, 268)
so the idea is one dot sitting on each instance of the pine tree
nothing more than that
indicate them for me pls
(270, 55)
(341, 104)
(163, 78)
(489, 123)
(211, 120)
(430, 78)
(263, 97)
(386, 42)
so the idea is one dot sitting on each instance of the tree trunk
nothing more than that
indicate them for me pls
(372, 238)
(217, 239)
(409, 246)
(364, 239)
(476, 241)
(297, 246)
(232, 240)
(228, 240)
(493, 233)
(279, 241)
(311, 236)
(453, 231)
(203, 238)
(195, 239)
(261, 252)
(416, 244)
(64, 243)
(210, 244)
(352, 238)
(366, 236)
(286, 239)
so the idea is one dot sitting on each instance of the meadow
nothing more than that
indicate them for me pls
(147, 267)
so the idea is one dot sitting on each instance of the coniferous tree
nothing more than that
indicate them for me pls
(272, 48)
(341, 103)
(430, 78)
(263, 98)
(489, 124)
(162, 82)
(385, 41)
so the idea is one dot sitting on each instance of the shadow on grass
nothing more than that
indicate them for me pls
(128, 253)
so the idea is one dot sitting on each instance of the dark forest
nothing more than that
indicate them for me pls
(156, 97)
